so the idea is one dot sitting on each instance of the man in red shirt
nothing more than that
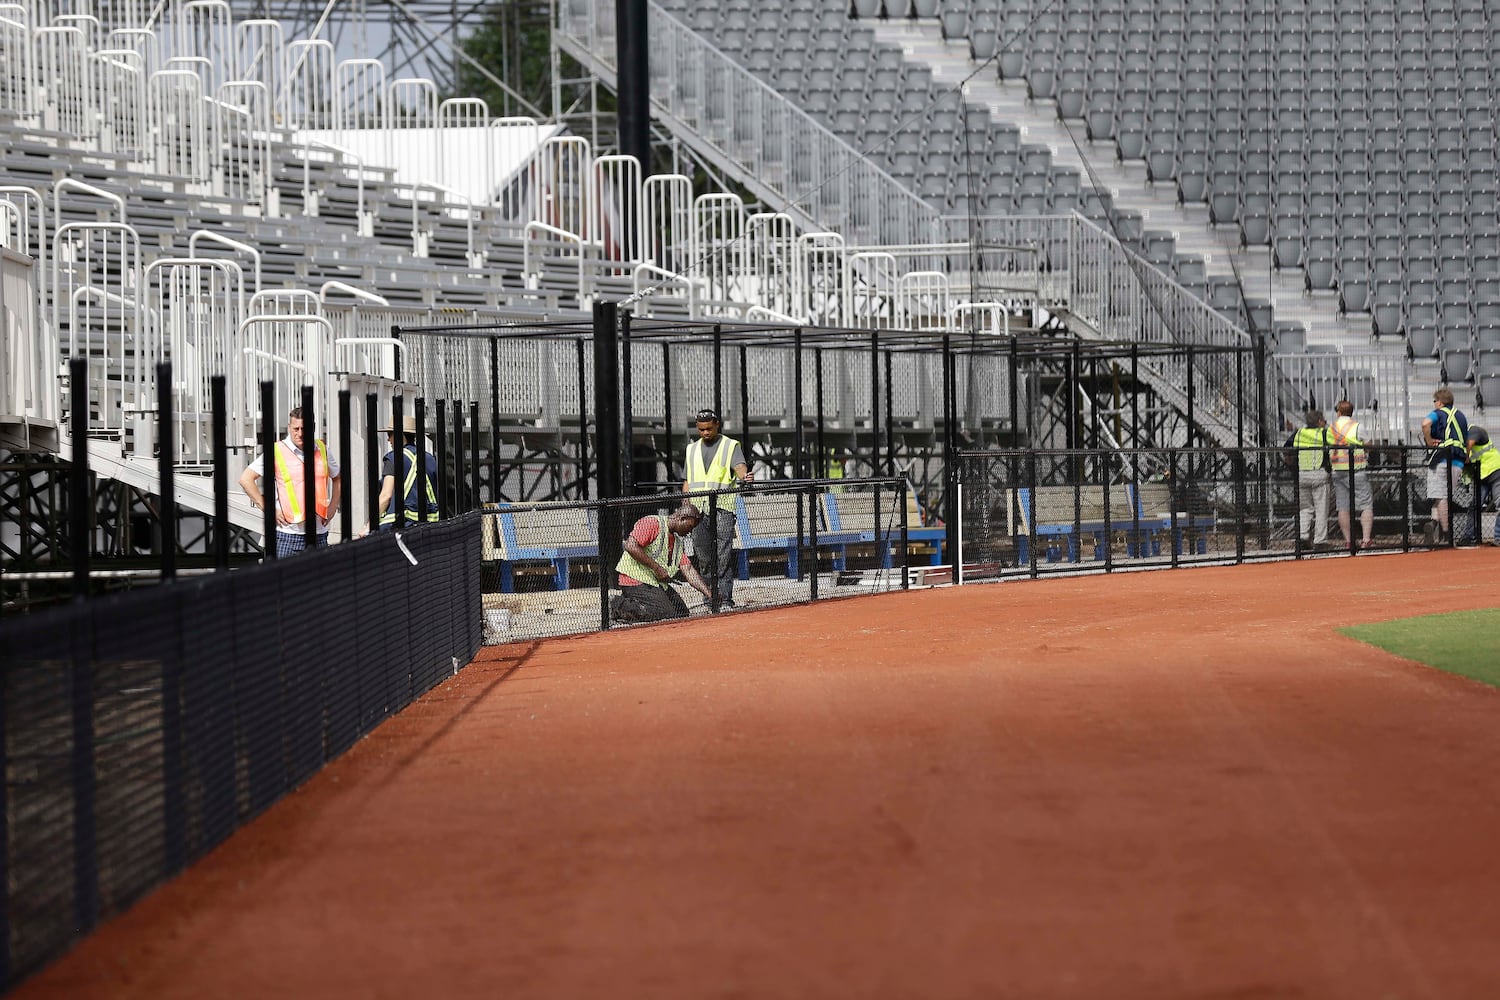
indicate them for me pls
(653, 555)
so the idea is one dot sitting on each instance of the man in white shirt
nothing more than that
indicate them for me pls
(291, 488)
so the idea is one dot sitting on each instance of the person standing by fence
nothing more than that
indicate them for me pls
(1484, 468)
(1444, 430)
(411, 491)
(715, 462)
(288, 483)
(1309, 456)
(1350, 466)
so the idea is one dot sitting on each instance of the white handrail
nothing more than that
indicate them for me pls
(221, 239)
(348, 289)
(529, 272)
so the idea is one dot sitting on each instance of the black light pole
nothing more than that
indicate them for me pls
(633, 63)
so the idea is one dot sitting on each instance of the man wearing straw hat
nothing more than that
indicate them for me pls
(411, 491)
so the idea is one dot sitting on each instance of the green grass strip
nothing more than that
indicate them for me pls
(1466, 643)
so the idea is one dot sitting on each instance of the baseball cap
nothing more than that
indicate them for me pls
(1479, 435)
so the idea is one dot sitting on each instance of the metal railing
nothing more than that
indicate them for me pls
(798, 162)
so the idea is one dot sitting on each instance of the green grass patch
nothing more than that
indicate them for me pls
(1463, 642)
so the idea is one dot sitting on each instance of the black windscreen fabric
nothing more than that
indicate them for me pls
(141, 729)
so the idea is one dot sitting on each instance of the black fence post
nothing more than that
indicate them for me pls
(745, 398)
(440, 421)
(799, 445)
(422, 505)
(666, 395)
(460, 480)
(1405, 504)
(1297, 504)
(607, 400)
(372, 459)
(269, 484)
(1241, 498)
(890, 420)
(905, 540)
(398, 460)
(495, 419)
(822, 465)
(1352, 516)
(346, 462)
(309, 471)
(583, 428)
(166, 466)
(79, 493)
(627, 407)
(812, 534)
(474, 455)
(217, 395)
(1172, 491)
(876, 464)
(710, 560)
(1034, 540)
(719, 369)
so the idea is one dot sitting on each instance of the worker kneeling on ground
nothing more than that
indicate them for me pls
(654, 554)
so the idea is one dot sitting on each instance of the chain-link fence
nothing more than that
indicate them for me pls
(559, 568)
(1033, 513)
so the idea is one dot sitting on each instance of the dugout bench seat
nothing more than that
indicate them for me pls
(852, 518)
(1058, 519)
(551, 533)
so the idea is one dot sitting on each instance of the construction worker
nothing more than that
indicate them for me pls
(411, 495)
(715, 462)
(1444, 430)
(1484, 468)
(291, 489)
(1350, 467)
(1308, 454)
(653, 555)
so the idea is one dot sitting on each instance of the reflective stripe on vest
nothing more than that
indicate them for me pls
(1309, 442)
(1488, 458)
(717, 475)
(657, 550)
(1453, 435)
(1345, 431)
(292, 480)
(408, 490)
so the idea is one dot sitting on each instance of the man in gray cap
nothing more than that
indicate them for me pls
(715, 462)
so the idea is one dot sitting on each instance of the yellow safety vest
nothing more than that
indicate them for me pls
(1488, 457)
(659, 550)
(1345, 431)
(292, 481)
(1309, 442)
(412, 514)
(717, 475)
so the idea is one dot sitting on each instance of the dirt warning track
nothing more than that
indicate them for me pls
(1147, 785)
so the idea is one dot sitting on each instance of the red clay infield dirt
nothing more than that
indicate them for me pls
(1170, 784)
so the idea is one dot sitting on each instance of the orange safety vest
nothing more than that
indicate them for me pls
(1344, 431)
(291, 481)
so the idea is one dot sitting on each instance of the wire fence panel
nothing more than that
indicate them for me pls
(1037, 513)
(562, 568)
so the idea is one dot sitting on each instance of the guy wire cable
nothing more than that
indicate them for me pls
(864, 154)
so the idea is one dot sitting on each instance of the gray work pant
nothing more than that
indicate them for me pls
(716, 560)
